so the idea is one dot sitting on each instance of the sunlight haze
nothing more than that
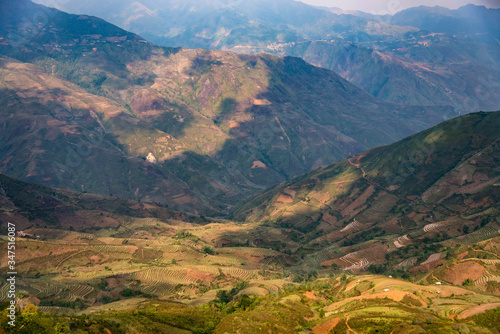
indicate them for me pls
(393, 6)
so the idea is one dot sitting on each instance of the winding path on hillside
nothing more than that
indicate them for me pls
(349, 327)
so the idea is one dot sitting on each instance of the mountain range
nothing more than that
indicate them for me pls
(423, 212)
(412, 57)
(91, 107)
(159, 189)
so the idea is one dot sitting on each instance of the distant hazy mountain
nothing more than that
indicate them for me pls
(246, 25)
(193, 128)
(387, 56)
(421, 69)
(472, 21)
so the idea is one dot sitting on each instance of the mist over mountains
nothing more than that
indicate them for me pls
(419, 56)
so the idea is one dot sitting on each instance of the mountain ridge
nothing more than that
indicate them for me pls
(403, 64)
(188, 110)
(393, 196)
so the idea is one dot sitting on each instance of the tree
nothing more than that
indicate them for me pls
(61, 328)
(208, 250)
(465, 229)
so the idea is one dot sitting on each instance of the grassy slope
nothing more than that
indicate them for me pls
(362, 304)
(442, 179)
(118, 257)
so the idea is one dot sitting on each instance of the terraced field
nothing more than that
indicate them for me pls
(110, 249)
(324, 255)
(80, 291)
(159, 289)
(155, 276)
(48, 289)
(490, 231)
(487, 278)
(238, 273)
(4, 290)
(249, 251)
(434, 226)
(351, 226)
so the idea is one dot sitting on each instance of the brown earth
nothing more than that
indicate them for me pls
(311, 295)
(462, 271)
(477, 310)
(284, 199)
(202, 276)
(426, 267)
(326, 327)
(359, 201)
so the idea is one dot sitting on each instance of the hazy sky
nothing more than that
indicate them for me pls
(393, 6)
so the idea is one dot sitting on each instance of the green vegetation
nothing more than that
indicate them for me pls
(489, 319)
(364, 236)
(292, 309)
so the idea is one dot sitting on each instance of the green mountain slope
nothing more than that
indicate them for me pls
(440, 184)
(215, 125)
(102, 264)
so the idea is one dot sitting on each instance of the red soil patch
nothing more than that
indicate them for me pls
(412, 197)
(251, 258)
(202, 276)
(261, 102)
(54, 122)
(462, 271)
(147, 206)
(323, 225)
(72, 129)
(182, 200)
(463, 255)
(359, 201)
(413, 214)
(6, 161)
(259, 164)
(223, 242)
(477, 310)
(133, 249)
(329, 218)
(426, 267)
(284, 199)
(311, 295)
(229, 229)
(326, 327)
